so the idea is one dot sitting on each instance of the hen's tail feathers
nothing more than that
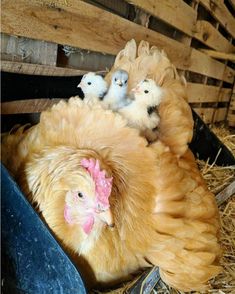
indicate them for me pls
(124, 59)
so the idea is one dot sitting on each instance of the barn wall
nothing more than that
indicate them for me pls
(198, 36)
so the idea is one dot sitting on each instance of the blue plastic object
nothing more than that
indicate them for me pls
(32, 260)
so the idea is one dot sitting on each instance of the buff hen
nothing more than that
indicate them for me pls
(48, 163)
(116, 204)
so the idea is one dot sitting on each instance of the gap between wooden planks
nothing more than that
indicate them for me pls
(38, 69)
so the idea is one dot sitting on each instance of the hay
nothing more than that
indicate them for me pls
(217, 178)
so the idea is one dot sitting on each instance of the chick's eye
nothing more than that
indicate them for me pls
(88, 83)
(125, 81)
(115, 79)
(146, 91)
(80, 195)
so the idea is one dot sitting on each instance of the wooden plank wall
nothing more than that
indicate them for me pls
(198, 36)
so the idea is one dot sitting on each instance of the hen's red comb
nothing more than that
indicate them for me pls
(103, 185)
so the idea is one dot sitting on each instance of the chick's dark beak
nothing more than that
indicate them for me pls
(119, 83)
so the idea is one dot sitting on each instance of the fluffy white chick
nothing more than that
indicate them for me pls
(140, 113)
(116, 96)
(93, 86)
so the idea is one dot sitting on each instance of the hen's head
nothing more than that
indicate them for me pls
(93, 84)
(89, 203)
(148, 91)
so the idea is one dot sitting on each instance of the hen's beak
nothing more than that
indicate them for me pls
(107, 217)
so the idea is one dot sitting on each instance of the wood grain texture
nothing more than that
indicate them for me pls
(174, 12)
(28, 50)
(27, 106)
(37, 69)
(210, 115)
(208, 35)
(219, 55)
(199, 93)
(203, 64)
(218, 9)
(82, 25)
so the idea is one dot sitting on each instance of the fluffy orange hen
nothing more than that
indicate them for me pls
(160, 207)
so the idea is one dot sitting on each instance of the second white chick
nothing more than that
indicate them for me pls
(93, 86)
(147, 97)
(116, 96)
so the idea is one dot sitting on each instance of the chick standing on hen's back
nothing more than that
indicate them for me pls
(117, 93)
(93, 86)
(147, 96)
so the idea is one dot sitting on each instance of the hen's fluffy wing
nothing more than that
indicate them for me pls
(185, 245)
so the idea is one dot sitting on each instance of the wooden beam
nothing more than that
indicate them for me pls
(208, 35)
(37, 69)
(174, 12)
(220, 114)
(219, 55)
(231, 110)
(203, 64)
(27, 106)
(218, 9)
(207, 114)
(199, 93)
(225, 194)
(82, 25)
(28, 50)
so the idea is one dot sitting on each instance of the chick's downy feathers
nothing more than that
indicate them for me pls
(116, 96)
(93, 86)
(176, 124)
(147, 95)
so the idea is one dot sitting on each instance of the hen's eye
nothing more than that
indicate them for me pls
(80, 195)
(146, 91)
(88, 83)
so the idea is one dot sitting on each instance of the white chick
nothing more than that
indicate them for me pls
(141, 112)
(117, 93)
(93, 86)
